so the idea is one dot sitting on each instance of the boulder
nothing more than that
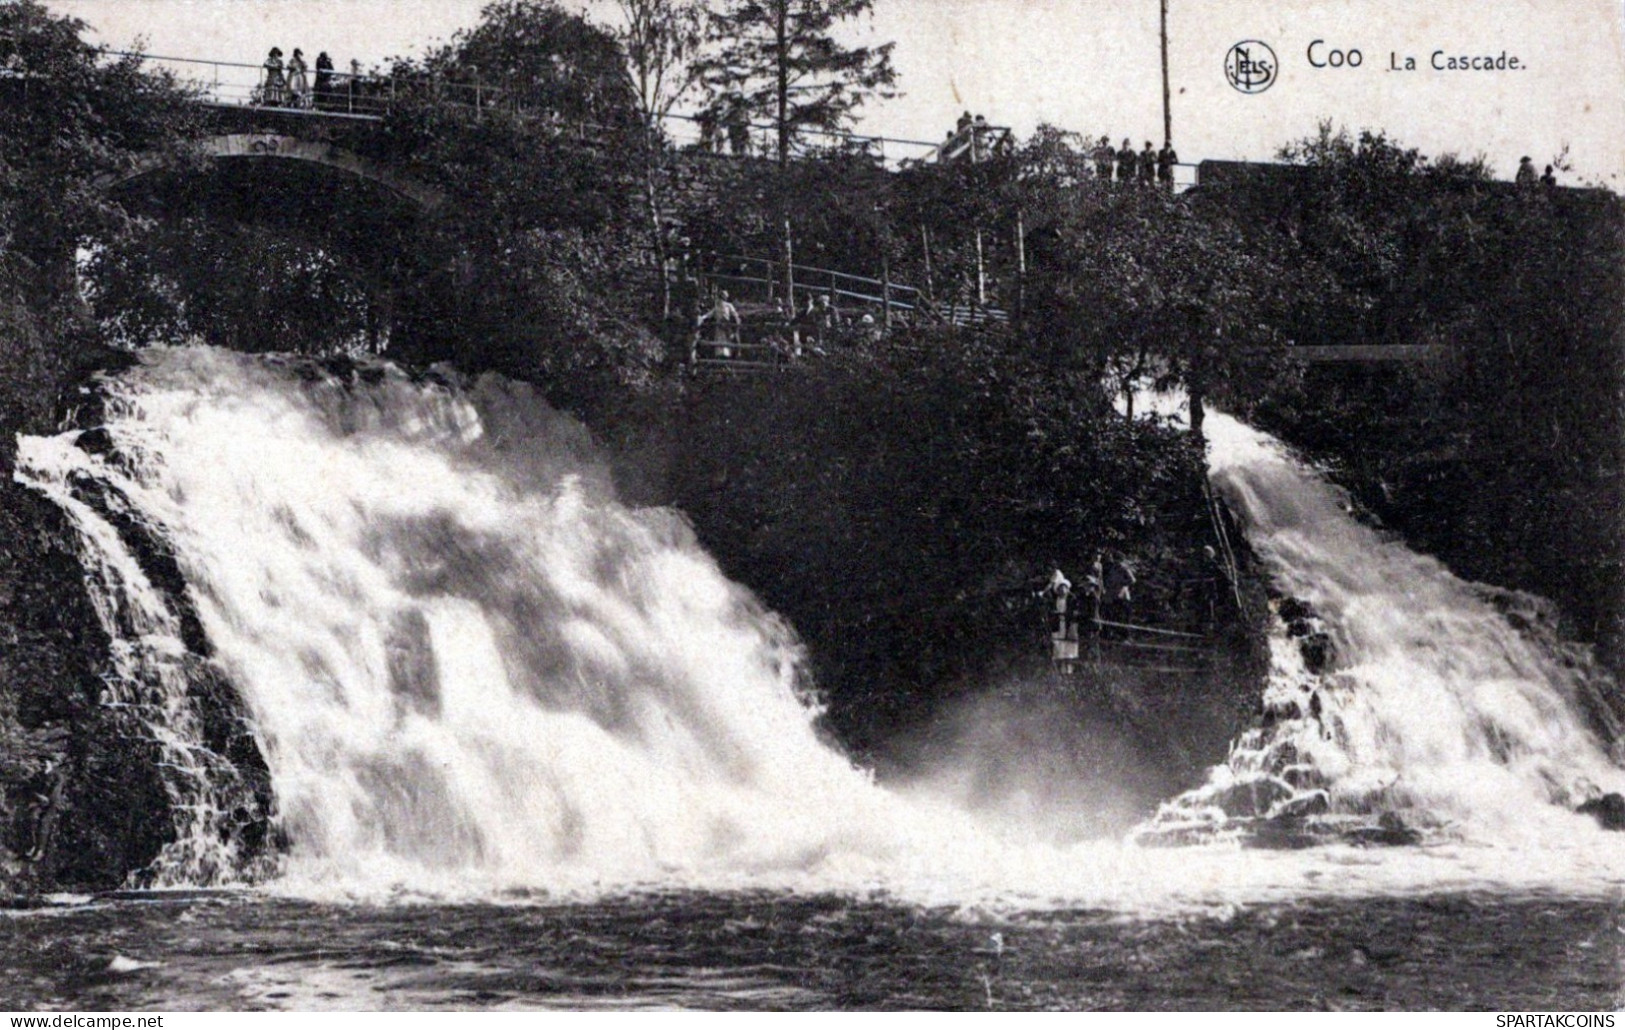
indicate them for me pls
(1608, 810)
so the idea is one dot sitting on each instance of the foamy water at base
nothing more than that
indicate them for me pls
(770, 950)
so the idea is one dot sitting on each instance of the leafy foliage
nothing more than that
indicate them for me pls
(543, 60)
(896, 503)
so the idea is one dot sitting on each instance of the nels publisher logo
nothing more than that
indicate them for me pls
(1250, 66)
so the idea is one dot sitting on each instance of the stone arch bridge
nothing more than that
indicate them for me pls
(277, 146)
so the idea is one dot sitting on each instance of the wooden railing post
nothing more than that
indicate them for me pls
(885, 288)
(789, 266)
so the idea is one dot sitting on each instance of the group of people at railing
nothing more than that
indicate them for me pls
(290, 84)
(1100, 616)
(1126, 167)
(973, 139)
(785, 332)
(1108, 591)
(1526, 176)
(725, 128)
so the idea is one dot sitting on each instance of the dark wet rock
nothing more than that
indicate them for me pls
(1390, 831)
(81, 784)
(1283, 755)
(1608, 810)
(79, 781)
(1254, 798)
(1307, 804)
(1303, 777)
(95, 441)
(1292, 610)
(1316, 649)
(1288, 834)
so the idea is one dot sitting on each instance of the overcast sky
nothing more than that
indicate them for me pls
(1093, 65)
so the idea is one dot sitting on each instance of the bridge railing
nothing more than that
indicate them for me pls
(352, 93)
(368, 95)
(763, 280)
(760, 139)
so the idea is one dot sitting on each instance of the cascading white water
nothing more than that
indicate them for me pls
(1433, 706)
(469, 667)
(461, 656)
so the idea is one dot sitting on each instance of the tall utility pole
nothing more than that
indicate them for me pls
(1167, 109)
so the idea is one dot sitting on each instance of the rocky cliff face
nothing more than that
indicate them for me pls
(80, 800)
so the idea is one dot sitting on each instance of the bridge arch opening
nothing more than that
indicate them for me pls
(275, 146)
(274, 243)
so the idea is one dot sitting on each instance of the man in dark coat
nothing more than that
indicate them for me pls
(1166, 160)
(1104, 157)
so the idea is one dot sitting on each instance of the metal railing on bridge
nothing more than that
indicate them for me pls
(776, 328)
(354, 94)
(368, 95)
(1125, 645)
(764, 280)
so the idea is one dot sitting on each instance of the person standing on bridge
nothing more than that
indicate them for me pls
(324, 81)
(1063, 629)
(1119, 585)
(724, 318)
(1104, 157)
(1093, 589)
(275, 86)
(1125, 163)
(298, 82)
(1166, 160)
(737, 122)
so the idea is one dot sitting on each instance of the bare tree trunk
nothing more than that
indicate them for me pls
(657, 220)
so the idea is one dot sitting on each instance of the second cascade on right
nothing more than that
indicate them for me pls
(1403, 704)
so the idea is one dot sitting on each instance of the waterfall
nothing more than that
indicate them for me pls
(1402, 703)
(467, 668)
(461, 656)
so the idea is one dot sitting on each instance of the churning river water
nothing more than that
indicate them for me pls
(530, 748)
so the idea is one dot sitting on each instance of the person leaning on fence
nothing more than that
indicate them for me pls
(1093, 590)
(275, 87)
(1166, 160)
(1125, 162)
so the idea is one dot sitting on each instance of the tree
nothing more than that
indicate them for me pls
(68, 117)
(660, 38)
(543, 60)
(777, 59)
